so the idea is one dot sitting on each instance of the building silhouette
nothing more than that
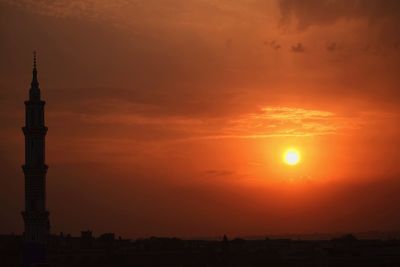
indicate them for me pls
(35, 215)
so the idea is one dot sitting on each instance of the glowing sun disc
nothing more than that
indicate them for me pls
(291, 157)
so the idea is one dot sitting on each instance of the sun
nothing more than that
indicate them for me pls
(291, 157)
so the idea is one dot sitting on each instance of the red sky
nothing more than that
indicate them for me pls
(170, 117)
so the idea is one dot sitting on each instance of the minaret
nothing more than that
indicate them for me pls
(36, 217)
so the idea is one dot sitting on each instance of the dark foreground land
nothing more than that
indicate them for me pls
(108, 251)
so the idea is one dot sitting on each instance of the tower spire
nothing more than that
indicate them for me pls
(34, 92)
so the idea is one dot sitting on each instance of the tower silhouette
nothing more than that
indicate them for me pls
(35, 215)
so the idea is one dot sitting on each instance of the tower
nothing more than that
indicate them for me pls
(35, 215)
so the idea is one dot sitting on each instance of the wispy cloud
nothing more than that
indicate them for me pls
(332, 47)
(298, 48)
(287, 121)
(136, 14)
(269, 122)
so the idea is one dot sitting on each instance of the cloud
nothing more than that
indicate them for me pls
(219, 173)
(331, 47)
(287, 121)
(298, 48)
(319, 12)
(273, 44)
(380, 19)
(130, 124)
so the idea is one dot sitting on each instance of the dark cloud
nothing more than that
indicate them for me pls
(382, 22)
(273, 44)
(331, 47)
(369, 30)
(219, 172)
(298, 48)
(311, 12)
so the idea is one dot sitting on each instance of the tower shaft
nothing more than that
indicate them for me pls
(35, 215)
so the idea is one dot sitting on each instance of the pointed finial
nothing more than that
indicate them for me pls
(34, 92)
(34, 59)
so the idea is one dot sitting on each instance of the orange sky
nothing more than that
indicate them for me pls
(170, 117)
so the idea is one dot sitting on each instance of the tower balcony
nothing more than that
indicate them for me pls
(35, 170)
(34, 131)
(35, 103)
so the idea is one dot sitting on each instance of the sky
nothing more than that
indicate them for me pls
(170, 118)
